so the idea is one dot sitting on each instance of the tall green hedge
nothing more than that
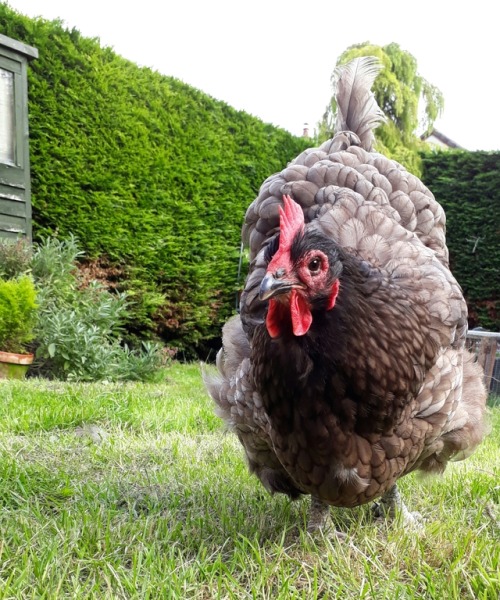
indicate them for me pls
(151, 175)
(467, 184)
(154, 178)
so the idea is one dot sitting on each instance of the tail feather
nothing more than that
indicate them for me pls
(357, 109)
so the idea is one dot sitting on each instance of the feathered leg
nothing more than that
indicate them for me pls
(391, 504)
(319, 518)
(319, 514)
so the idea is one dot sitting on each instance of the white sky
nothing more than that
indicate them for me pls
(274, 58)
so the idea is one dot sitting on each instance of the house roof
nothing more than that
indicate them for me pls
(441, 139)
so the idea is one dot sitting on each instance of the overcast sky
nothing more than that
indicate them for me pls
(274, 58)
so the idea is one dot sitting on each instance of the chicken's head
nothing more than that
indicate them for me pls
(302, 274)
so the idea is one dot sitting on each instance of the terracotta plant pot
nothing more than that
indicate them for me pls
(14, 366)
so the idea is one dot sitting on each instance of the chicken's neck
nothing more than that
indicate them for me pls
(359, 360)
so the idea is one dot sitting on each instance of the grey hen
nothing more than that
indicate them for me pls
(347, 367)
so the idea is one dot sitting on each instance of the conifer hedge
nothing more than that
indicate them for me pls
(151, 175)
(467, 184)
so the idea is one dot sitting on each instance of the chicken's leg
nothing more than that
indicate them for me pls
(319, 518)
(391, 504)
(319, 513)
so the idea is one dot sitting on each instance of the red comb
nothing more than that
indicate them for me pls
(291, 222)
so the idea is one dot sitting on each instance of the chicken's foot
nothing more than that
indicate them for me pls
(319, 518)
(391, 505)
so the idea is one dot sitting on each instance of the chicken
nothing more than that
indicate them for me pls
(346, 368)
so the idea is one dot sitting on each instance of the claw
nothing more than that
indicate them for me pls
(391, 506)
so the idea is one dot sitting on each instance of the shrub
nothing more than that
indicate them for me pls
(17, 313)
(79, 330)
(15, 257)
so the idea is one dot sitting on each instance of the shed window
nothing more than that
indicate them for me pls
(7, 118)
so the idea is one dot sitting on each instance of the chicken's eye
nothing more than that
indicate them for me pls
(314, 265)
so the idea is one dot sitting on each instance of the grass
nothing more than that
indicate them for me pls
(134, 491)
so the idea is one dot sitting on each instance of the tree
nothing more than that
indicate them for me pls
(409, 101)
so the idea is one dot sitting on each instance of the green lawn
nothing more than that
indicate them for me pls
(135, 491)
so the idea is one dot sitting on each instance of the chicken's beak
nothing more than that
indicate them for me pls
(271, 286)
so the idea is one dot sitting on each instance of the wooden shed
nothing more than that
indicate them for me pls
(15, 189)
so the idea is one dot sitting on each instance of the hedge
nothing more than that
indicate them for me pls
(152, 176)
(467, 184)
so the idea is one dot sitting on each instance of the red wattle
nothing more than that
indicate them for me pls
(300, 313)
(273, 319)
(333, 295)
